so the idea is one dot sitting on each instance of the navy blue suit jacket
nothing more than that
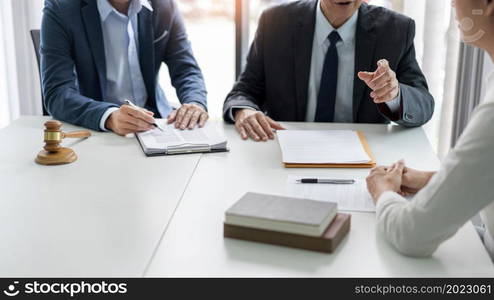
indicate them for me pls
(73, 67)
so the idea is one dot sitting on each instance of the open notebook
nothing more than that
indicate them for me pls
(172, 141)
(325, 149)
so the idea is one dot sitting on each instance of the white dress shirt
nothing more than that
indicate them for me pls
(461, 188)
(346, 69)
(123, 70)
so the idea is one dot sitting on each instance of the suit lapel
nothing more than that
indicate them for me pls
(94, 33)
(146, 53)
(365, 43)
(302, 44)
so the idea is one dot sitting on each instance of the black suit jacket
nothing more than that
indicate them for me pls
(276, 77)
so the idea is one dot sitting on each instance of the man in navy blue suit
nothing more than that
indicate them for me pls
(95, 54)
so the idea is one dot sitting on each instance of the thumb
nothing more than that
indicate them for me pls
(382, 66)
(366, 76)
(274, 124)
(399, 167)
(172, 116)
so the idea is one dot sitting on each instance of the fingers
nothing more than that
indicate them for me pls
(397, 168)
(256, 125)
(172, 117)
(194, 119)
(378, 170)
(134, 124)
(180, 116)
(251, 132)
(136, 120)
(366, 76)
(380, 81)
(258, 129)
(385, 87)
(388, 96)
(131, 128)
(382, 66)
(188, 116)
(275, 125)
(241, 130)
(202, 119)
(265, 126)
(137, 113)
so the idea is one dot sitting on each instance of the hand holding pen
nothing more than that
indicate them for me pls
(130, 119)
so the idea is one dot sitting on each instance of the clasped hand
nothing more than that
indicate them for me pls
(396, 178)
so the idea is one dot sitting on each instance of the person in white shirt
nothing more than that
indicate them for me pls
(446, 200)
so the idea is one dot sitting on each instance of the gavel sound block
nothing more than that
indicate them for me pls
(53, 153)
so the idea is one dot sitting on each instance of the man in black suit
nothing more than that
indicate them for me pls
(313, 60)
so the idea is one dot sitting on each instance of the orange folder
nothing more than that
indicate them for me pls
(367, 165)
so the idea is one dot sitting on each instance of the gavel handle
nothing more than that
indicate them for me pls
(82, 134)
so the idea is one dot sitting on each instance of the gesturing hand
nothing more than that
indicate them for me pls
(255, 124)
(382, 179)
(128, 119)
(383, 83)
(188, 116)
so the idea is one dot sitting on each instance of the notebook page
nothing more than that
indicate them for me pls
(349, 197)
(321, 147)
(172, 137)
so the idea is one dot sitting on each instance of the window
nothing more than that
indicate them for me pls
(211, 28)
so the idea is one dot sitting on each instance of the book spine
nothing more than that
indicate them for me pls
(326, 244)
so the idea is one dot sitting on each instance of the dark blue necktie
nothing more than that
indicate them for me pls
(329, 80)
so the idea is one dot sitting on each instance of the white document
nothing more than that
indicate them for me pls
(322, 147)
(171, 139)
(349, 197)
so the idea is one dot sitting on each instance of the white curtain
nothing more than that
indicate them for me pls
(437, 43)
(20, 92)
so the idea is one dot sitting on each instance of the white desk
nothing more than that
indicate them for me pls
(100, 216)
(194, 245)
(104, 214)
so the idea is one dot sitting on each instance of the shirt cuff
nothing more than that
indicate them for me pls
(395, 104)
(105, 116)
(386, 199)
(238, 107)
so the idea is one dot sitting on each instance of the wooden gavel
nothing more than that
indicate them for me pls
(54, 135)
(53, 153)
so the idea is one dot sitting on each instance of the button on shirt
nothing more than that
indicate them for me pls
(123, 71)
(346, 68)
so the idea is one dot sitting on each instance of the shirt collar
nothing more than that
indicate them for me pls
(323, 28)
(105, 8)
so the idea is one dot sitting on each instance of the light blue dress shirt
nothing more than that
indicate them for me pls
(123, 70)
(346, 68)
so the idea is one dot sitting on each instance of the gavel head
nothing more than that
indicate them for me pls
(53, 136)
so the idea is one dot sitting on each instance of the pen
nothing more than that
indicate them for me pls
(326, 181)
(128, 102)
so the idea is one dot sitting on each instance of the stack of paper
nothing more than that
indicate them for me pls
(328, 148)
(349, 197)
(175, 141)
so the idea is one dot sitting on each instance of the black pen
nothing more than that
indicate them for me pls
(128, 102)
(326, 181)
